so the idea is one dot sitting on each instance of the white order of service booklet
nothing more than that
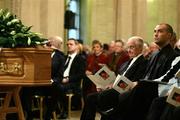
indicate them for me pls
(122, 84)
(105, 76)
(174, 97)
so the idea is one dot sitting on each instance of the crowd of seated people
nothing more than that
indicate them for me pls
(135, 59)
(132, 69)
(135, 103)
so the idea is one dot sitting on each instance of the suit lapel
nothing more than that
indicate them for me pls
(131, 69)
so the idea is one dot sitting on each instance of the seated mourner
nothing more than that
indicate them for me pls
(57, 63)
(74, 70)
(135, 103)
(132, 69)
(160, 109)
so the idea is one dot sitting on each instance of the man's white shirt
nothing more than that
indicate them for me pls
(67, 70)
(163, 90)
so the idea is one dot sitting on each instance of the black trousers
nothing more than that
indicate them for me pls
(156, 108)
(59, 95)
(170, 112)
(135, 103)
(101, 102)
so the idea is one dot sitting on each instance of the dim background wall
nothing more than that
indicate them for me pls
(104, 20)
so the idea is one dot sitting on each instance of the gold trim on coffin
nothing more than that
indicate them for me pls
(25, 65)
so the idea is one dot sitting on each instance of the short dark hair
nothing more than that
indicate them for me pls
(76, 42)
(119, 40)
(169, 27)
(97, 42)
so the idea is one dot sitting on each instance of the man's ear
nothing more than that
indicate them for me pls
(170, 35)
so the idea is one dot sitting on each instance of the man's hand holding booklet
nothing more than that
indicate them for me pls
(105, 77)
(122, 84)
(174, 97)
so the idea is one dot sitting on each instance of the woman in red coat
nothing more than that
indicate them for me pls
(95, 61)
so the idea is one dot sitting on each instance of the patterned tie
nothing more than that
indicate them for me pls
(67, 62)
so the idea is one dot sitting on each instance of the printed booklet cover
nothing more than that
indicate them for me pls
(122, 84)
(103, 77)
(174, 97)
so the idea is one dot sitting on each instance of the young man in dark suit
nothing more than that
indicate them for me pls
(74, 70)
(132, 69)
(160, 109)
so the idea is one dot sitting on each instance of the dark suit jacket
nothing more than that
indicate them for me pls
(142, 95)
(110, 98)
(76, 73)
(77, 70)
(160, 109)
(57, 66)
(136, 71)
(165, 57)
(171, 72)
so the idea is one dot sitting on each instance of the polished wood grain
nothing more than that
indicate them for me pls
(22, 67)
(25, 66)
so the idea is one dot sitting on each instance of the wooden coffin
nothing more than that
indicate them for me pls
(27, 66)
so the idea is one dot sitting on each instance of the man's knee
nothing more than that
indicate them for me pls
(176, 113)
(92, 98)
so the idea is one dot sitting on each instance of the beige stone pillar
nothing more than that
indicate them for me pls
(117, 19)
(45, 16)
(131, 18)
(103, 14)
(178, 19)
(1, 3)
(162, 11)
(6, 4)
(55, 17)
(85, 21)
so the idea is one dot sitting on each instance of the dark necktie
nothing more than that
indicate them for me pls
(67, 62)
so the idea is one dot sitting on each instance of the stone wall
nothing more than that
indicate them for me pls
(104, 20)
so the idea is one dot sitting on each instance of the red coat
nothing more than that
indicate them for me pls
(94, 62)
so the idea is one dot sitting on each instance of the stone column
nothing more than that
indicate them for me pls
(45, 16)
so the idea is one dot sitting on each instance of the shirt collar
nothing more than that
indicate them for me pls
(72, 55)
